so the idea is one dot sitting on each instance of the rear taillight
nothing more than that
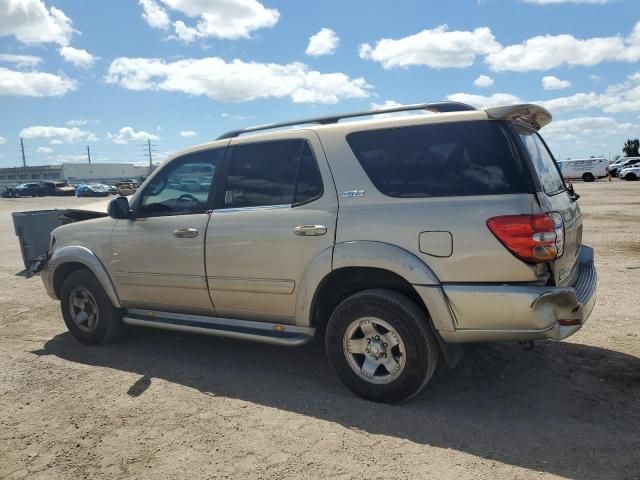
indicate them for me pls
(532, 238)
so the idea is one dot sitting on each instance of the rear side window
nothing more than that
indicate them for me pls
(279, 172)
(437, 160)
(543, 162)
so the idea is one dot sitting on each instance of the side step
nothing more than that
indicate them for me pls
(272, 333)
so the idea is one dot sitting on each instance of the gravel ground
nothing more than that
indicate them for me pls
(164, 405)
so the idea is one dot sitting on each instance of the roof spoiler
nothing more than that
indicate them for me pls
(531, 115)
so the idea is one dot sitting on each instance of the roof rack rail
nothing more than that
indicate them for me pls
(437, 107)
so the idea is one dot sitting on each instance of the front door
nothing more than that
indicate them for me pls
(158, 255)
(276, 214)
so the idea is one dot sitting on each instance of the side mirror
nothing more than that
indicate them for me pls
(119, 208)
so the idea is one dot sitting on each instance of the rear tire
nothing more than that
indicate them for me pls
(588, 177)
(87, 310)
(631, 176)
(380, 344)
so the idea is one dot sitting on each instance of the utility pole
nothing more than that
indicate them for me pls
(89, 154)
(150, 157)
(24, 160)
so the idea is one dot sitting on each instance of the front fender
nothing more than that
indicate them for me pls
(84, 256)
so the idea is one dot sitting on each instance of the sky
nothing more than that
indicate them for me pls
(112, 74)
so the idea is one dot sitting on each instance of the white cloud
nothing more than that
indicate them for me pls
(620, 98)
(234, 116)
(436, 48)
(224, 19)
(545, 52)
(393, 104)
(483, 81)
(481, 101)
(550, 82)
(33, 84)
(385, 104)
(3, 140)
(44, 150)
(589, 127)
(128, 134)
(155, 15)
(235, 81)
(32, 22)
(20, 61)
(553, 2)
(78, 57)
(58, 135)
(187, 133)
(79, 122)
(623, 97)
(325, 42)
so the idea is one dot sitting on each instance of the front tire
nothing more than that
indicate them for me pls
(631, 176)
(588, 177)
(380, 344)
(87, 310)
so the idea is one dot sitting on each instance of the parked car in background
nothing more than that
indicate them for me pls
(395, 237)
(26, 190)
(189, 185)
(92, 190)
(621, 163)
(630, 173)
(126, 189)
(58, 188)
(113, 190)
(586, 169)
(7, 192)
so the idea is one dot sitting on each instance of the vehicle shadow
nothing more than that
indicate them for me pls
(567, 409)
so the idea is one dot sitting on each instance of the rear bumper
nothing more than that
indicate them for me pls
(485, 313)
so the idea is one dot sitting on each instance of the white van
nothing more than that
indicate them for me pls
(588, 169)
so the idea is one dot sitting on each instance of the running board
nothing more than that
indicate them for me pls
(272, 333)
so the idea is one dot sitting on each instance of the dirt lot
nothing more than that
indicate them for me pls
(162, 405)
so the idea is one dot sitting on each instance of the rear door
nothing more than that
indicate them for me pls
(554, 197)
(277, 212)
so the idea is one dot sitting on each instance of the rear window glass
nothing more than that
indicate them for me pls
(437, 160)
(543, 162)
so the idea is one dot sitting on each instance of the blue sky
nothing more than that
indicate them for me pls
(109, 74)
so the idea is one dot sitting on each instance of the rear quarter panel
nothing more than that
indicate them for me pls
(477, 255)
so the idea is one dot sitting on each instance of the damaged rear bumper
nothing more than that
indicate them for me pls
(522, 312)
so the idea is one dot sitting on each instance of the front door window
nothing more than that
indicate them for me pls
(184, 186)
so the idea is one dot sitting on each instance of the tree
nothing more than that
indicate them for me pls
(631, 147)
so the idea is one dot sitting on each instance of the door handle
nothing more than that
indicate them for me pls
(186, 233)
(310, 230)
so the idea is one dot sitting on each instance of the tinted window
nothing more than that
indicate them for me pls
(543, 162)
(449, 159)
(272, 173)
(183, 186)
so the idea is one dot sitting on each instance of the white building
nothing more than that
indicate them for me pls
(74, 173)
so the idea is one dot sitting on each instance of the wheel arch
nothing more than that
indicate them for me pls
(67, 260)
(360, 265)
(346, 281)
